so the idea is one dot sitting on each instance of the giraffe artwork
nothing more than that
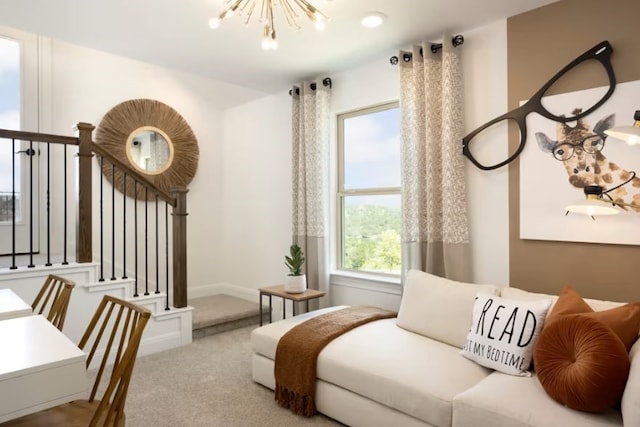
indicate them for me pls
(580, 149)
(560, 159)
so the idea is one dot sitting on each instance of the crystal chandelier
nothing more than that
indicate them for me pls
(290, 10)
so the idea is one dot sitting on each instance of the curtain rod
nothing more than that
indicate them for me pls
(435, 47)
(325, 82)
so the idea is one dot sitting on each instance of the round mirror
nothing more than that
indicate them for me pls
(149, 150)
(153, 139)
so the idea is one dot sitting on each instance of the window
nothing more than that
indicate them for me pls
(20, 89)
(9, 119)
(369, 190)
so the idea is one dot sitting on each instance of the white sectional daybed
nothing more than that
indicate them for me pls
(409, 371)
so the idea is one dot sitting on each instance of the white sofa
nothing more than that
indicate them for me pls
(406, 372)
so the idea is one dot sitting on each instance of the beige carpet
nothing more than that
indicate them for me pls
(220, 313)
(220, 308)
(207, 383)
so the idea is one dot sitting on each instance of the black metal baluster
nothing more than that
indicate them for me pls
(146, 242)
(135, 235)
(13, 205)
(166, 251)
(113, 222)
(31, 264)
(157, 253)
(64, 249)
(124, 225)
(48, 264)
(101, 225)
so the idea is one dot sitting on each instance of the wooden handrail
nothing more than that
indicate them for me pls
(38, 137)
(70, 140)
(133, 173)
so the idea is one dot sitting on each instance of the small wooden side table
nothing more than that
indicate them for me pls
(278, 291)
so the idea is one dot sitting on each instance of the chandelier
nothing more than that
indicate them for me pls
(290, 9)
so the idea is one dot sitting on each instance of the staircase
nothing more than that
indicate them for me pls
(139, 233)
(220, 313)
(166, 328)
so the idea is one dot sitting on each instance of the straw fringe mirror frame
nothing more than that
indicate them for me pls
(122, 122)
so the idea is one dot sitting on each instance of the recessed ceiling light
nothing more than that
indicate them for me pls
(373, 19)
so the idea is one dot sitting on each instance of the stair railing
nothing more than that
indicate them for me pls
(84, 244)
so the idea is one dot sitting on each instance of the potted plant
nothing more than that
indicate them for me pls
(296, 281)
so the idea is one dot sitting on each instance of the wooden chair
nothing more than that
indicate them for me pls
(53, 299)
(127, 322)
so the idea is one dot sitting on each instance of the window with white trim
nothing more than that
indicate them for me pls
(368, 199)
(19, 92)
(9, 117)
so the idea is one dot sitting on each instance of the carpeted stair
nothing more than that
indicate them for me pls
(219, 313)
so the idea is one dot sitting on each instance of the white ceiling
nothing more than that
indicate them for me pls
(175, 33)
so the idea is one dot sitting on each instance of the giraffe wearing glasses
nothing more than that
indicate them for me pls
(580, 150)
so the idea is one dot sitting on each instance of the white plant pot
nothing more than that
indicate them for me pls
(295, 284)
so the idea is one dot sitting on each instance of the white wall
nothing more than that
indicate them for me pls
(250, 223)
(485, 92)
(254, 208)
(255, 226)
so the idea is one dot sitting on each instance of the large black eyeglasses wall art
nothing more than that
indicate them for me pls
(598, 58)
(571, 154)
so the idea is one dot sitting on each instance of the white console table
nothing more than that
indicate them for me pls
(11, 305)
(39, 367)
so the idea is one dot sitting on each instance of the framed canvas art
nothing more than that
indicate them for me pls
(560, 159)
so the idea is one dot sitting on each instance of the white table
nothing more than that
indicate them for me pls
(11, 305)
(39, 367)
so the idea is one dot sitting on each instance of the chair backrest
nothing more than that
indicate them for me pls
(53, 299)
(115, 332)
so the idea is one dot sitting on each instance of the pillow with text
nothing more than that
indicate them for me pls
(503, 333)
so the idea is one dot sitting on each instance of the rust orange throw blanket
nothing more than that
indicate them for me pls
(298, 349)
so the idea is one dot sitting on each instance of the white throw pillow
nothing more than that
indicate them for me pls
(438, 308)
(631, 398)
(504, 332)
(520, 294)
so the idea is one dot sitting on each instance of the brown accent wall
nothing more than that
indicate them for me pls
(540, 43)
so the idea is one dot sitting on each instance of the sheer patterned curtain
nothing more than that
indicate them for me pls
(310, 177)
(435, 232)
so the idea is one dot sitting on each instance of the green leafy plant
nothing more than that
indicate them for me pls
(294, 260)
